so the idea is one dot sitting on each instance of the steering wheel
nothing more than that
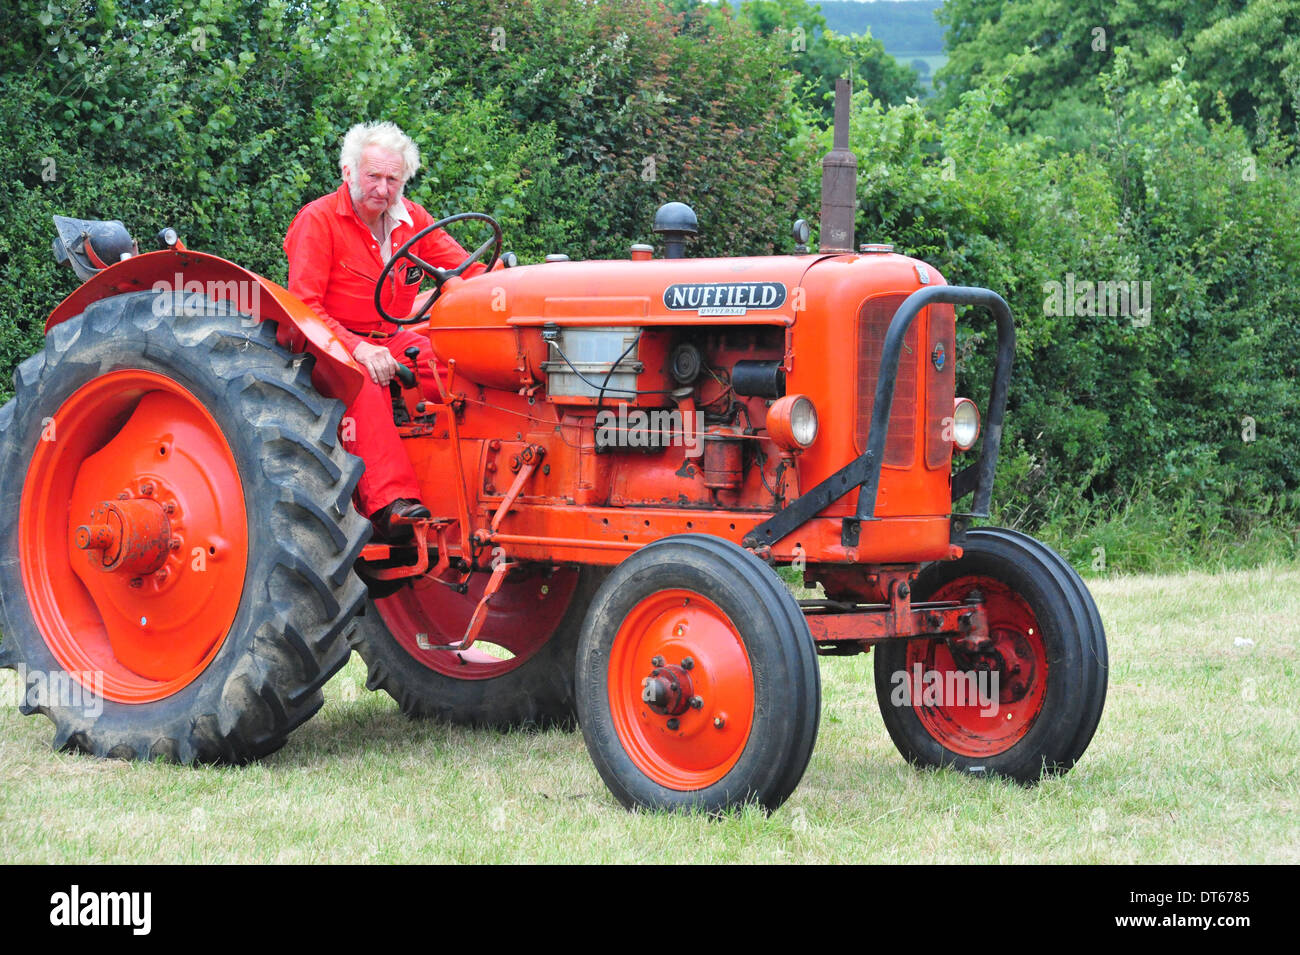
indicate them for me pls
(440, 276)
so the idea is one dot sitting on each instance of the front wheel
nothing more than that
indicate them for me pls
(1026, 704)
(697, 679)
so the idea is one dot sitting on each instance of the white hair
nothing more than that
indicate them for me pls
(385, 135)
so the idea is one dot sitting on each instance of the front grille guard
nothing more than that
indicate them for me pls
(864, 471)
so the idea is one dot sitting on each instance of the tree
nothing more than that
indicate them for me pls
(822, 56)
(1052, 52)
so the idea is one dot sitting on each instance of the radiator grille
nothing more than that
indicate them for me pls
(940, 387)
(873, 322)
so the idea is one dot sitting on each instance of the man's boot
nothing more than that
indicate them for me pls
(387, 530)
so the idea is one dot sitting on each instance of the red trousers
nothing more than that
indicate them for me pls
(367, 430)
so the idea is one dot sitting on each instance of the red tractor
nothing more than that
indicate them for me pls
(619, 455)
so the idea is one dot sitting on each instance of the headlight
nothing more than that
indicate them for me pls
(965, 423)
(792, 422)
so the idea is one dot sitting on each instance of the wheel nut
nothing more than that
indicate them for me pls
(656, 661)
(146, 489)
(672, 723)
(176, 543)
(687, 663)
(719, 722)
(697, 702)
(137, 581)
(169, 508)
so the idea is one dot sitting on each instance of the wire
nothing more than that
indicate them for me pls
(600, 398)
(725, 392)
(603, 387)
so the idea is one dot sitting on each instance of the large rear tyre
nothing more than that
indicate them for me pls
(520, 674)
(698, 685)
(176, 571)
(1028, 704)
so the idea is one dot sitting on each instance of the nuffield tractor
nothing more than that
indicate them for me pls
(618, 457)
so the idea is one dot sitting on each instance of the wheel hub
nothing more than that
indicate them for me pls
(668, 690)
(1007, 654)
(130, 536)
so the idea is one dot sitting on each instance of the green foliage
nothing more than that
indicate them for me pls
(646, 106)
(1243, 54)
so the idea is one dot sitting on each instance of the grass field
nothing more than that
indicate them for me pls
(1197, 760)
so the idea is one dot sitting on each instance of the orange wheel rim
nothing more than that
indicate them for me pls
(133, 536)
(681, 690)
(1017, 658)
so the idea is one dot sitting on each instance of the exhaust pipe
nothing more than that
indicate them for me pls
(839, 180)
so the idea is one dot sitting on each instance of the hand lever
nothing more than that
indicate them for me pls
(408, 376)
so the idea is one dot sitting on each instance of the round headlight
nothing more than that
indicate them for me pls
(965, 424)
(792, 422)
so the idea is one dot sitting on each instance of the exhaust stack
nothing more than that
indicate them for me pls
(839, 180)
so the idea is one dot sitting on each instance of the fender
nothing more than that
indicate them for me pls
(336, 373)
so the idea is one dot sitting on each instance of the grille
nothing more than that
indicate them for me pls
(940, 387)
(873, 322)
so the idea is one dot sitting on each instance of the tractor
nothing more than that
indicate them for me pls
(619, 457)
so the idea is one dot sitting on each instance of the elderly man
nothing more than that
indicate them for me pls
(337, 246)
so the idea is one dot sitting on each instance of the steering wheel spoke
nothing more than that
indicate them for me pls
(439, 276)
(475, 256)
(428, 269)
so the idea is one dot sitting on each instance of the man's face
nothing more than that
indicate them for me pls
(377, 181)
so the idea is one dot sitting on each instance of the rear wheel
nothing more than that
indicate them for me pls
(177, 576)
(1026, 704)
(698, 685)
(519, 673)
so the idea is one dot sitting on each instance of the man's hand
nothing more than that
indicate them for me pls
(377, 360)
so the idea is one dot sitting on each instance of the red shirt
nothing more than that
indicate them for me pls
(334, 263)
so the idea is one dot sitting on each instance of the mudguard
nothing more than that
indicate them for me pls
(336, 373)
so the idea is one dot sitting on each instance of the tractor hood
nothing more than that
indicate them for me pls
(760, 290)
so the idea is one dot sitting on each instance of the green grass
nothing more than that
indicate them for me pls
(1197, 760)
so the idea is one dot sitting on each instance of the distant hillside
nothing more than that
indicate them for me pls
(904, 26)
(907, 28)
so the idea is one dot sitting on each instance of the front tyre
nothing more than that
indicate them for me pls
(697, 679)
(176, 578)
(1026, 705)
